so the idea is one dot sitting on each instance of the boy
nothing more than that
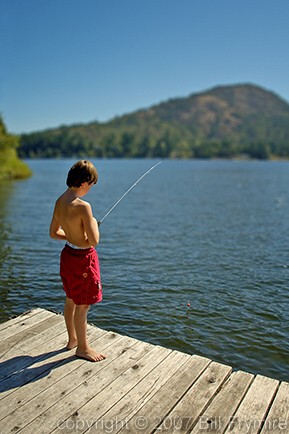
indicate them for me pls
(73, 221)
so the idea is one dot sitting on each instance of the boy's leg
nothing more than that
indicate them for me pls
(69, 310)
(80, 323)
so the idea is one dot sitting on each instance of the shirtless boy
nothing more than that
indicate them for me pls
(73, 222)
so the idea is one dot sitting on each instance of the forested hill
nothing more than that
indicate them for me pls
(226, 121)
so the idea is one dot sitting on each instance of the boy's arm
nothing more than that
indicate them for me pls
(90, 225)
(55, 230)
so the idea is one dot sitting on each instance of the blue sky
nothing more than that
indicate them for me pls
(71, 61)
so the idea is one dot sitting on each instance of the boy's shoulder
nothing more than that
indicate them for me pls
(77, 201)
(83, 203)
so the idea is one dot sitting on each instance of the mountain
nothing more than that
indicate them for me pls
(226, 121)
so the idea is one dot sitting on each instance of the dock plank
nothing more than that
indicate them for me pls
(60, 367)
(58, 406)
(277, 420)
(187, 412)
(139, 389)
(257, 401)
(108, 388)
(17, 340)
(130, 388)
(59, 383)
(37, 340)
(146, 411)
(31, 352)
(25, 323)
(31, 363)
(223, 406)
(19, 318)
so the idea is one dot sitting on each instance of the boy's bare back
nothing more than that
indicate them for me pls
(73, 220)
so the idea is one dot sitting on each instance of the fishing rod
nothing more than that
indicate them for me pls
(127, 191)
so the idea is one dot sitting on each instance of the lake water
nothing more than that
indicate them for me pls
(211, 234)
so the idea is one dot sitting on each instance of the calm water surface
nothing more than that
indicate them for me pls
(212, 234)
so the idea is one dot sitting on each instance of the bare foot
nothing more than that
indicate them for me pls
(90, 354)
(72, 343)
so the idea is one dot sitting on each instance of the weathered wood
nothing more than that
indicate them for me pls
(150, 375)
(31, 364)
(222, 408)
(139, 388)
(256, 402)
(19, 318)
(144, 410)
(99, 393)
(186, 413)
(59, 383)
(277, 420)
(17, 340)
(31, 352)
(59, 402)
(25, 323)
(46, 375)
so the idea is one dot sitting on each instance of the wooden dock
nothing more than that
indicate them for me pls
(139, 388)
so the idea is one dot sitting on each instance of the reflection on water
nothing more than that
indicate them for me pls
(6, 267)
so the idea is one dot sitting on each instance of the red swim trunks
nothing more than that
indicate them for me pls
(80, 274)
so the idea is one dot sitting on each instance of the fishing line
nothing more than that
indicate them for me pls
(127, 191)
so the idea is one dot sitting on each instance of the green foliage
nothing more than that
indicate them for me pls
(225, 122)
(10, 165)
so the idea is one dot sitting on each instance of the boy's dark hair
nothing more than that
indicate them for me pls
(81, 171)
